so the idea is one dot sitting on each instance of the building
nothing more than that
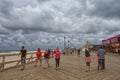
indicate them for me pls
(112, 44)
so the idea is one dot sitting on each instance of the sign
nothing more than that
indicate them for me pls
(103, 42)
(114, 40)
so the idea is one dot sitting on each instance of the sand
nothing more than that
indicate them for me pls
(71, 68)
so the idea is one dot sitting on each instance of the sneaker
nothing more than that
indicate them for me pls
(44, 68)
(48, 66)
(56, 68)
(22, 69)
(35, 65)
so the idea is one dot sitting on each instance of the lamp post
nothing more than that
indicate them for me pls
(64, 42)
(68, 43)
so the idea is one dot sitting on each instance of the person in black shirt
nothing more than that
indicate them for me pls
(23, 57)
(79, 52)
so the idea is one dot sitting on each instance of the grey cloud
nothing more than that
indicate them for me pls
(105, 8)
(36, 22)
(41, 1)
(5, 8)
(49, 19)
(4, 30)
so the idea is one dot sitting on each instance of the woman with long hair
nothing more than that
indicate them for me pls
(87, 60)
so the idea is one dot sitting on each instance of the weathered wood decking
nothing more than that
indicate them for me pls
(72, 68)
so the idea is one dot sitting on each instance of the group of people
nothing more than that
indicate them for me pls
(39, 57)
(101, 59)
(57, 53)
(71, 51)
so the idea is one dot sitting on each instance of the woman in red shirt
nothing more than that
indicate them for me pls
(39, 57)
(57, 53)
(46, 59)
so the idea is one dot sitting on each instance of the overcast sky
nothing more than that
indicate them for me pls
(44, 23)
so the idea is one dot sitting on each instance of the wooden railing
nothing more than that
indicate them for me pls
(31, 58)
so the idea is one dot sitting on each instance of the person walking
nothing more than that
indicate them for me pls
(49, 52)
(39, 57)
(98, 55)
(57, 53)
(87, 60)
(78, 52)
(46, 59)
(102, 52)
(23, 54)
(119, 50)
(67, 51)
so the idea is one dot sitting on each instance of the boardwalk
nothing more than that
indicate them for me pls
(72, 68)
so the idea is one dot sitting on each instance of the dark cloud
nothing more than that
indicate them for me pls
(105, 8)
(56, 18)
(5, 8)
(39, 22)
(40, 1)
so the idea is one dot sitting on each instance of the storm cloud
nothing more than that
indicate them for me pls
(42, 22)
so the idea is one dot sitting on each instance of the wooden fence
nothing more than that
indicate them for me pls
(29, 59)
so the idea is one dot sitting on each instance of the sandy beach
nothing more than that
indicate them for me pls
(72, 68)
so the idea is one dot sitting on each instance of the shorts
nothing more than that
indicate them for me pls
(87, 63)
(78, 53)
(39, 58)
(23, 60)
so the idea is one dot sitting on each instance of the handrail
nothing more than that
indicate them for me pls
(3, 63)
(14, 54)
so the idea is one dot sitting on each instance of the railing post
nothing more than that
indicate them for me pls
(32, 57)
(3, 63)
(18, 62)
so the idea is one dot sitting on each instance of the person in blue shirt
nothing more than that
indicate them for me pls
(49, 52)
(101, 53)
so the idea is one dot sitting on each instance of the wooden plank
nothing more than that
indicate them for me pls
(17, 66)
(11, 61)
(8, 55)
(14, 61)
(3, 65)
(14, 54)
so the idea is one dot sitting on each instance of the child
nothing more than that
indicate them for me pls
(46, 58)
(98, 55)
(87, 60)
